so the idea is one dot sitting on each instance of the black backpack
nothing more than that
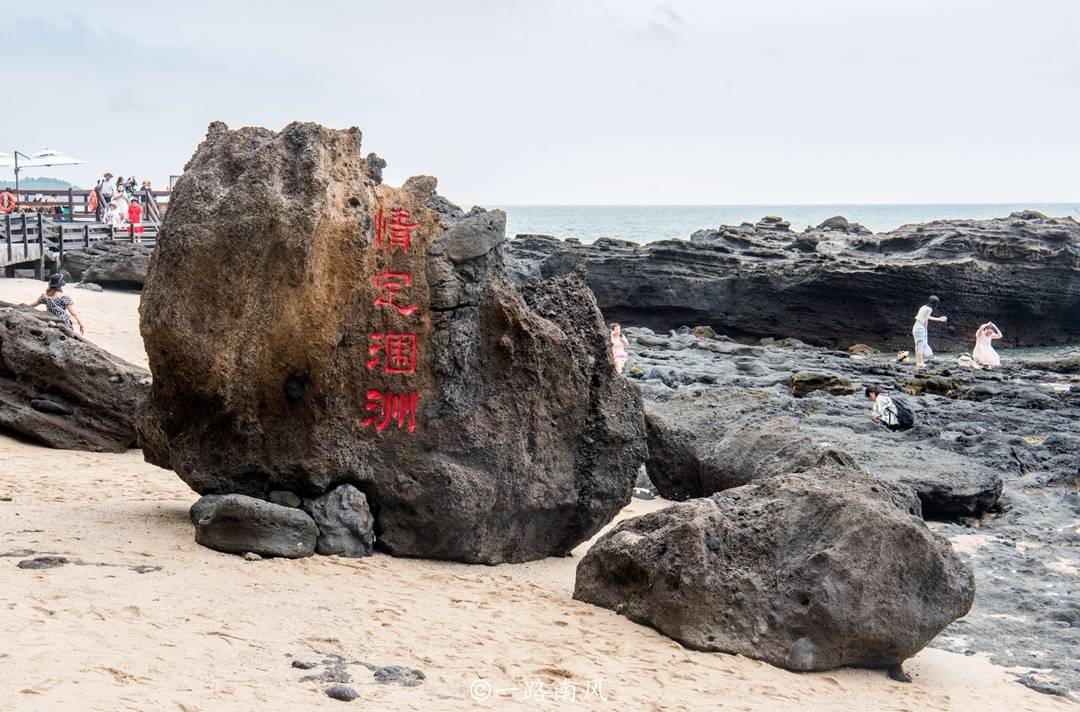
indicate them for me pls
(905, 417)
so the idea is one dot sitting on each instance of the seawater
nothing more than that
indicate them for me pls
(646, 223)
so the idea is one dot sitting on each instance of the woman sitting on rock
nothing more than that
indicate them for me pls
(618, 347)
(59, 304)
(919, 332)
(984, 354)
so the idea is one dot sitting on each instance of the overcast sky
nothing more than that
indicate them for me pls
(603, 101)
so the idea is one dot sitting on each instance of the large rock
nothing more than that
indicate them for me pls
(808, 572)
(63, 391)
(346, 527)
(833, 287)
(260, 319)
(236, 524)
(115, 264)
(701, 443)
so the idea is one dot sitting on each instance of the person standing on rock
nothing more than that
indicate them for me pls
(618, 347)
(135, 218)
(59, 304)
(984, 353)
(919, 331)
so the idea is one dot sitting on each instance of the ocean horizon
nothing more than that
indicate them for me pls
(646, 223)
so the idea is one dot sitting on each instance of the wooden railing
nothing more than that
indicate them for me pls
(30, 238)
(76, 203)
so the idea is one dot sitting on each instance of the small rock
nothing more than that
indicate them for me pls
(303, 664)
(43, 562)
(89, 286)
(345, 524)
(803, 384)
(251, 556)
(862, 350)
(704, 332)
(43, 405)
(399, 675)
(341, 692)
(238, 524)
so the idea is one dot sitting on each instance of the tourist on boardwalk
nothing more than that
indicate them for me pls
(105, 185)
(59, 304)
(919, 331)
(618, 347)
(984, 354)
(135, 218)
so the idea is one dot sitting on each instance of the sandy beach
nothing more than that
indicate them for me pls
(140, 617)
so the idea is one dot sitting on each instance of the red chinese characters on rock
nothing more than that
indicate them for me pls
(390, 285)
(394, 231)
(394, 351)
(388, 408)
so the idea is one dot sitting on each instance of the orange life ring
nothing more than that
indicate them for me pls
(91, 203)
(7, 202)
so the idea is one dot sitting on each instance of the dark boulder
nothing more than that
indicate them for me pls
(803, 384)
(110, 263)
(839, 223)
(237, 524)
(346, 527)
(701, 443)
(63, 391)
(807, 572)
(509, 437)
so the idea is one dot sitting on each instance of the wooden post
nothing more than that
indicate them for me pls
(7, 232)
(71, 204)
(112, 233)
(25, 245)
(86, 236)
(40, 269)
(131, 229)
(60, 242)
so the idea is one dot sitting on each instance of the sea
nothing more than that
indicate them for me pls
(646, 223)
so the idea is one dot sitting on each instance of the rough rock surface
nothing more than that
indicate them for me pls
(705, 442)
(346, 527)
(63, 391)
(808, 572)
(834, 287)
(112, 264)
(998, 459)
(525, 441)
(237, 524)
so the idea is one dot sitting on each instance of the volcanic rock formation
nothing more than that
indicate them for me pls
(808, 572)
(834, 285)
(63, 391)
(113, 264)
(309, 327)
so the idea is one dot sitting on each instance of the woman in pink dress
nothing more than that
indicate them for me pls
(984, 353)
(618, 347)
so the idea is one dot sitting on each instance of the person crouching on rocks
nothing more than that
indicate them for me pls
(618, 347)
(59, 304)
(883, 410)
(919, 331)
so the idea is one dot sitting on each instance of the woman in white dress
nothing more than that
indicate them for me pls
(919, 331)
(984, 354)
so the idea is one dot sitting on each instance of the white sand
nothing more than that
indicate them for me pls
(211, 631)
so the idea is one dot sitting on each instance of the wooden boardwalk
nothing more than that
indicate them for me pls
(32, 241)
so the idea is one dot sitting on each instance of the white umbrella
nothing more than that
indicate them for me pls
(50, 157)
(46, 157)
(6, 159)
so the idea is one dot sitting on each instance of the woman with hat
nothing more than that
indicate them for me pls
(59, 304)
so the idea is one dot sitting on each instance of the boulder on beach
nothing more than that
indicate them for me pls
(807, 572)
(346, 527)
(309, 327)
(63, 391)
